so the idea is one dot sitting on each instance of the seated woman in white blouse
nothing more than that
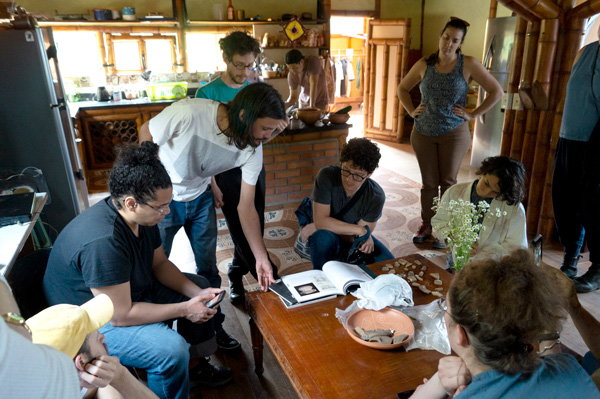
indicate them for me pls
(501, 184)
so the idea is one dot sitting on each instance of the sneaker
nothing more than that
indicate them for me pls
(569, 266)
(590, 281)
(209, 375)
(226, 341)
(422, 234)
(437, 244)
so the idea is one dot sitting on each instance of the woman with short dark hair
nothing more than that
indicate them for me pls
(500, 184)
(499, 315)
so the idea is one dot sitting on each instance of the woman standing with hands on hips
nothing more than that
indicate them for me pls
(440, 136)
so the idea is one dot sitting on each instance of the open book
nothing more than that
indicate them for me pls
(336, 278)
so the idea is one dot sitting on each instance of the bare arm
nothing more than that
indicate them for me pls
(313, 81)
(325, 222)
(250, 222)
(125, 385)
(412, 78)
(144, 134)
(293, 98)
(479, 74)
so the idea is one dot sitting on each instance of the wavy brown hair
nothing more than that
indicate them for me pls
(510, 174)
(505, 306)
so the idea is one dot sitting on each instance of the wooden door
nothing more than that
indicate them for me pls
(388, 43)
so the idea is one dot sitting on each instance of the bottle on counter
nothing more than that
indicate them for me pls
(230, 12)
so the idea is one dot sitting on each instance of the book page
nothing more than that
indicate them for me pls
(344, 275)
(309, 285)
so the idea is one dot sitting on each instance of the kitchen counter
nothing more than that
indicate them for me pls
(76, 106)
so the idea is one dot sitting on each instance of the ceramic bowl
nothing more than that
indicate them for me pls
(385, 319)
(338, 119)
(309, 115)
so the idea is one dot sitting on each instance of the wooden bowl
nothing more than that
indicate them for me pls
(338, 119)
(385, 319)
(309, 115)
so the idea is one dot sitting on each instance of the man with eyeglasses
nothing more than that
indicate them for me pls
(336, 227)
(114, 248)
(239, 53)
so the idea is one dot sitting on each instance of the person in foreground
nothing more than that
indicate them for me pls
(73, 330)
(198, 139)
(498, 314)
(501, 184)
(239, 53)
(336, 227)
(441, 136)
(114, 248)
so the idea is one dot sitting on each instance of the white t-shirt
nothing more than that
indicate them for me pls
(193, 149)
(34, 371)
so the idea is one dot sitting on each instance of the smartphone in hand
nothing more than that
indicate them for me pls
(216, 300)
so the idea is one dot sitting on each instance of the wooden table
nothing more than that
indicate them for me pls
(319, 357)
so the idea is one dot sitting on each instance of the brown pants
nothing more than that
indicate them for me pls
(439, 159)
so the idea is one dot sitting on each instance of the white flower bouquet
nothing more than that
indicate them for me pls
(463, 227)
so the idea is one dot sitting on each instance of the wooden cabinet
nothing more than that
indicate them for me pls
(102, 129)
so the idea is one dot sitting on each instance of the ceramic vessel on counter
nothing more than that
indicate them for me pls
(309, 115)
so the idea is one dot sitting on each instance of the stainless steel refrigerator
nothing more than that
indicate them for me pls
(35, 126)
(499, 37)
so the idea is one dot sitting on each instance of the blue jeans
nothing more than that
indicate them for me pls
(326, 245)
(163, 352)
(199, 220)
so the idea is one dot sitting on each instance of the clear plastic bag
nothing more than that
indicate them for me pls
(430, 328)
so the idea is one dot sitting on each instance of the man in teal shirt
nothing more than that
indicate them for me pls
(239, 53)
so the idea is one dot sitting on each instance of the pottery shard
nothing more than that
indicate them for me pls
(385, 268)
(424, 289)
(438, 294)
(399, 338)
(413, 267)
(411, 279)
(397, 264)
(436, 276)
(415, 284)
(411, 273)
(408, 264)
(438, 282)
(419, 278)
(421, 274)
(392, 271)
(439, 289)
(402, 261)
(423, 268)
(418, 262)
(403, 275)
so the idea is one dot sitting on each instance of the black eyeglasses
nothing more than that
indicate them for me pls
(355, 177)
(161, 209)
(240, 66)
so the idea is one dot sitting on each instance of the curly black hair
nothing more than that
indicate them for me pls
(506, 305)
(510, 174)
(258, 100)
(453, 23)
(363, 153)
(137, 172)
(239, 42)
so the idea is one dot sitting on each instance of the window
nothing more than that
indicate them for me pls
(204, 53)
(78, 53)
(140, 53)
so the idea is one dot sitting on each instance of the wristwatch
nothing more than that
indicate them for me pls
(15, 319)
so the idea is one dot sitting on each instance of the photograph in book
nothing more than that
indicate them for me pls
(336, 278)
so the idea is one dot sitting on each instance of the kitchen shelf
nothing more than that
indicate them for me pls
(109, 23)
(248, 23)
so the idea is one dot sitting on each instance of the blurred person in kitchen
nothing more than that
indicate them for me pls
(73, 330)
(576, 176)
(440, 136)
(239, 53)
(28, 370)
(201, 138)
(346, 205)
(307, 81)
(114, 248)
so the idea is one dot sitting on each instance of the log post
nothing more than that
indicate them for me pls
(542, 9)
(520, 10)
(493, 8)
(513, 84)
(544, 62)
